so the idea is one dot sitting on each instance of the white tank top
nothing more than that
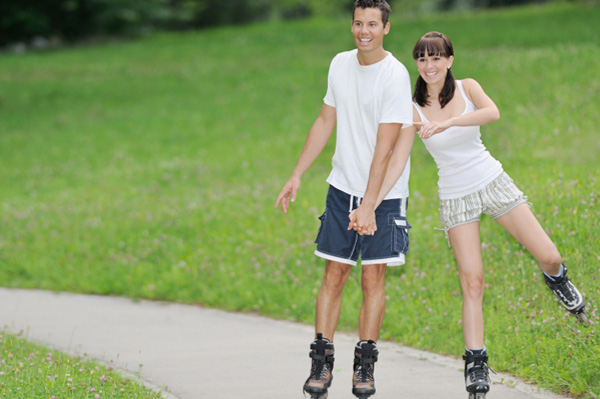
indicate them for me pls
(464, 164)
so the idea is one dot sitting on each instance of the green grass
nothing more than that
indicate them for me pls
(150, 169)
(29, 371)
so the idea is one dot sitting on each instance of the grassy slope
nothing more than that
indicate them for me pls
(150, 168)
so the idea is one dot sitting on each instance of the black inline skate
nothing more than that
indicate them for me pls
(568, 295)
(363, 380)
(477, 376)
(320, 378)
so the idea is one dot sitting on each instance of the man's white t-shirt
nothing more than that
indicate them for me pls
(365, 96)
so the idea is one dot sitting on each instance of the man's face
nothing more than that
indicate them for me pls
(368, 29)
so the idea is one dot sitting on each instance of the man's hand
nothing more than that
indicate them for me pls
(288, 193)
(362, 220)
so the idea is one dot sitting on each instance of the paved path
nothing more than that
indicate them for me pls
(206, 353)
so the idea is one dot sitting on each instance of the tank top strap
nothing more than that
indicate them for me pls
(461, 88)
(469, 105)
(423, 119)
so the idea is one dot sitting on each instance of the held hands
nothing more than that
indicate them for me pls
(287, 194)
(428, 129)
(362, 221)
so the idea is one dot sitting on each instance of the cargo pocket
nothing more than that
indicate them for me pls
(400, 235)
(322, 219)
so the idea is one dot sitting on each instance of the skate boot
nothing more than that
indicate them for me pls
(477, 376)
(321, 370)
(568, 295)
(363, 381)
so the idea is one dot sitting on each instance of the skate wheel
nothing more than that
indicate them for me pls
(583, 317)
(478, 395)
(318, 395)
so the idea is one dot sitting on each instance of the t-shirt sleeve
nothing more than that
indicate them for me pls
(329, 98)
(397, 103)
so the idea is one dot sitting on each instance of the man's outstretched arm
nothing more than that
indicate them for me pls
(318, 136)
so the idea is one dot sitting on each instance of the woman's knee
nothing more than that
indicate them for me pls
(473, 287)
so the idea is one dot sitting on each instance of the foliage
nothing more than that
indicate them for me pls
(150, 169)
(470, 4)
(73, 20)
(76, 19)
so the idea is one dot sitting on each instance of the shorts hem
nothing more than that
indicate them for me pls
(335, 258)
(461, 223)
(508, 209)
(395, 261)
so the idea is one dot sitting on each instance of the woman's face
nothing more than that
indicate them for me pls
(434, 68)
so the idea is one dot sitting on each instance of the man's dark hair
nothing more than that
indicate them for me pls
(383, 6)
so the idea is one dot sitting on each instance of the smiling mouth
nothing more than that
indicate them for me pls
(365, 40)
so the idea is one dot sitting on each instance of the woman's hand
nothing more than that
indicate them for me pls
(428, 129)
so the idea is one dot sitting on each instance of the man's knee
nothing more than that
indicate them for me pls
(336, 274)
(373, 277)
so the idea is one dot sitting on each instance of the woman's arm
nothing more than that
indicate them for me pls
(487, 112)
(398, 161)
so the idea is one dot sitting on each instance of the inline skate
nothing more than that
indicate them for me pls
(477, 376)
(363, 380)
(568, 295)
(322, 355)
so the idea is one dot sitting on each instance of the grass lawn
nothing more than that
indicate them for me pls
(30, 371)
(150, 169)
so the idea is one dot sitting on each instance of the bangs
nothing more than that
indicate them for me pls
(431, 46)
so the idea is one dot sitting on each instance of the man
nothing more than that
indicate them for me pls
(369, 99)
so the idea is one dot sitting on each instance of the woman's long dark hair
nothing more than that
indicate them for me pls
(434, 44)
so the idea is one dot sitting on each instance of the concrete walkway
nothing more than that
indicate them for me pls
(204, 353)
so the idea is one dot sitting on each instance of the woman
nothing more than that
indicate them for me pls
(448, 113)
